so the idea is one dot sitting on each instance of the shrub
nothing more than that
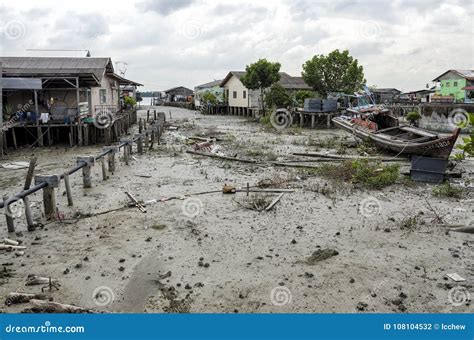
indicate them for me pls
(130, 101)
(413, 117)
(362, 172)
(448, 190)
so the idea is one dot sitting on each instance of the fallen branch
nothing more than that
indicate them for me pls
(40, 306)
(14, 298)
(206, 154)
(39, 280)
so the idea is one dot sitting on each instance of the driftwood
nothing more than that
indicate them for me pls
(206, 154)
(14, 298)
(10, 247)
(462, 229)
(40, 306)
(265, 190)
(349, 157)
(275, 201)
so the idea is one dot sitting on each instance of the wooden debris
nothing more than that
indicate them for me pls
(10, 247)
(206, 154)
(455, 277)
(274, 202)
(14, 298)
(320, 255)
(463, 229)
(33, 280)
(349, 157)
(40, 306)
(10, 242)
(135, 202)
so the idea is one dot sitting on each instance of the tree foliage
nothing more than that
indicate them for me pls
(261, 75)
(338, 71)
(277, 97)
(301, 95)
(209, 97)
(467, 146)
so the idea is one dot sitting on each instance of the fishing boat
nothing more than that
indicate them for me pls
(375, 123)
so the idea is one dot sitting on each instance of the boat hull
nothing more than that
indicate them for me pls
(439, 147)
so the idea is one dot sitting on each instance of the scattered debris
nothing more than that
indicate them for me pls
(15, 298)
(455, 277)
(321, 255)
(41, 306)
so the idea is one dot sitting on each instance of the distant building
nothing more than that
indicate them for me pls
(458, 84)
(385, 95)
(422, 96)
(241, 100)
(211, 87)
(179, 94)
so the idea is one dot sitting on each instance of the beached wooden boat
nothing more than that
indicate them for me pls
(383, 130)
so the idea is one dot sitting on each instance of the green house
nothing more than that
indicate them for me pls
(458, 84)
(212, 87)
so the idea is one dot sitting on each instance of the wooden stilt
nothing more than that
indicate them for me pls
(14, 138)
(86, 170)
(67, 184)
(8, 215)
(104, 170)
(28, 214)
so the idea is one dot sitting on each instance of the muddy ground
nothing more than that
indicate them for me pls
(391, 258)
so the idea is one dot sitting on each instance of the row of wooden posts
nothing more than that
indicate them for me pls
(48, 183)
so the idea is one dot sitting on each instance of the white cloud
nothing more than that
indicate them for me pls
(400, 43)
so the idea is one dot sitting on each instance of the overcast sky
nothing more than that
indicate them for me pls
(166, 43)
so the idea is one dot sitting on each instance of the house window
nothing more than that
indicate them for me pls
(455, 84)
(103, 96)
(447, 84)
(234, 94)
(244, 94)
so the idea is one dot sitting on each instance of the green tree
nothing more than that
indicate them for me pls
(277, 97)
(261, 75)
(301, 95)
(338, 71)
(208, 97)
(467, 146)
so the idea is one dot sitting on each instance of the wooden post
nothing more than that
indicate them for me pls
(26, 201)
(154, 115)
(152, 139)
(301, 120)
(38, 127)
(140, 144)
(313, 118)
(49, 197)
(148, 115)
(104, 170)
(86, 169)
(125, 154)
(146, 140)
(67, 184)
(328, 122)
(140, 126)
(14, 138)
(8, 215)
(111, 156)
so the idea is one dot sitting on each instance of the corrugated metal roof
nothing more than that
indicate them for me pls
(468, 74)
(32, 66)
(208, 85)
